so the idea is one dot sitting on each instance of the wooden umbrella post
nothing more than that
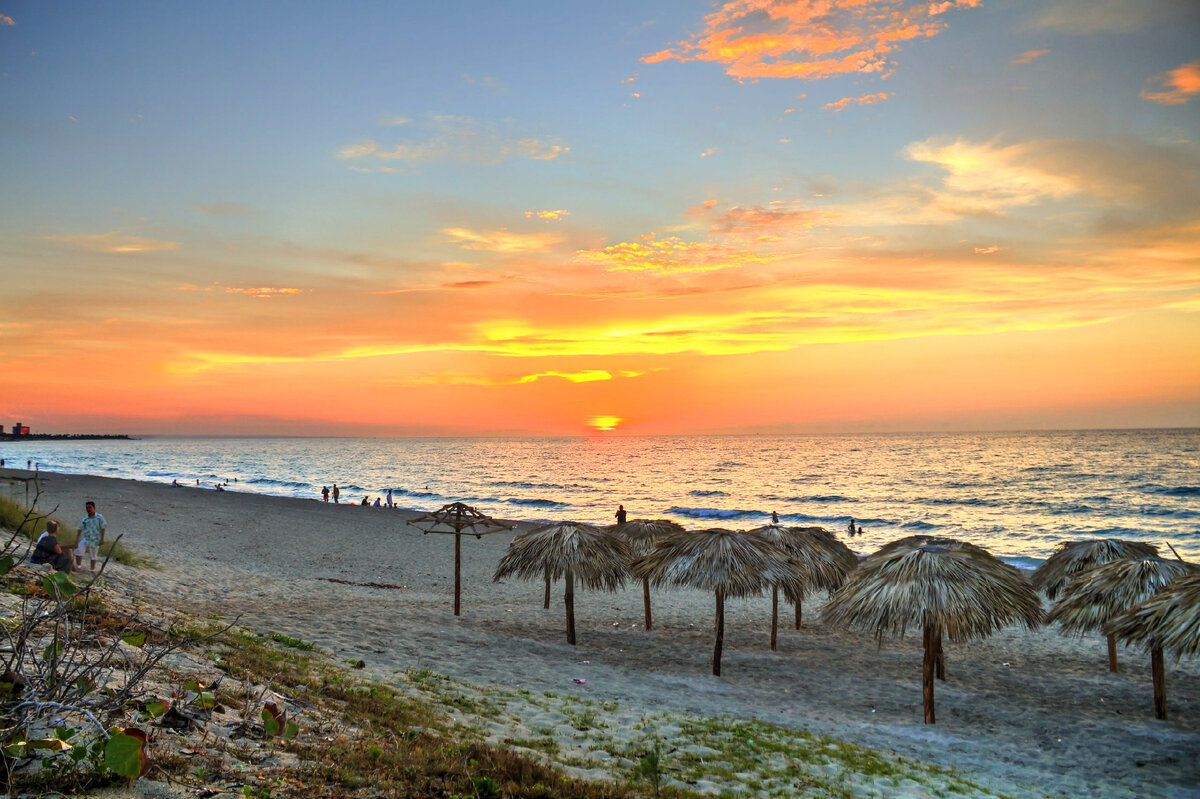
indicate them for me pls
(646, 603)
(1112, 654)
(457, 572)
(799, 614)
(569, 601)
(546, 603)
(1159, 674)
(774, 617)
(720, 634)
(940, 671)
(932, 638)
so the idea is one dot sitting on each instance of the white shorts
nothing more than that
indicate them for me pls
(89, 551)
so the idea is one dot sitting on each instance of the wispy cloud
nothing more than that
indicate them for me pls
(503, 241)
(1179, 85)
(225, 209)
(1028, 57)
(669, 255)
(6, 20)
(485, 82)
(453, 138)
(780, 39)
(1009, 174)
(114, 242)
(393, 121)
(547, 216)
(263, 292)
(467, 379)
(866, 99)
(1086, 17)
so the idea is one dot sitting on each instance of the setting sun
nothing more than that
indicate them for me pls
(605, 423)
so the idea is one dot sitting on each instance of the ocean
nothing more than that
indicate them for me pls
(1017, 494)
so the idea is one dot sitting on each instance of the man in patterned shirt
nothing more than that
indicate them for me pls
(91, 536)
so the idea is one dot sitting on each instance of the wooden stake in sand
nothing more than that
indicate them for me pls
(457, 519)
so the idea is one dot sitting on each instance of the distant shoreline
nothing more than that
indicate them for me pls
(66, 437)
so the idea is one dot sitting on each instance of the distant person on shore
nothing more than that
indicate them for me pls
(389, 498)
(774, 517)
(366, 501)
(621, 514)
(175, 482)
(336, 493)
(324, 493)
(850, 528)
(375, 503)
(28, 464)
(220, 487)
(48, 550)
(91, 535)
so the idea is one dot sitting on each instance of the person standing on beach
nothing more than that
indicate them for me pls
(621, 514)
(774, 517)
(325, 493)
(91, 535)
(336, 494)
(389, 498)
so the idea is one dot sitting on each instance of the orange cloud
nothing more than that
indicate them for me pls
(780, 218)
(113, 242)
(547, 215)
(263, 292)
(465, 379)
(453, 138)
(866, 99)
(502, 240)
(1013, 174)
(811, 40)
(987, 250)
(668, 256)
(1028, 57)
(6, 20)
(1180, 84)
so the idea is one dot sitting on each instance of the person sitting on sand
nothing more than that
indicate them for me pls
(375, 504)
(366, 501)
(621, 514)
(774, 517)
(48, 550)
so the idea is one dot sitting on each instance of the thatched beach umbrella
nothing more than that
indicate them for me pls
(566, 549)
(825, 566)
(640, 535)
(1072, 557)
(728, 563)
(1098, 595)
(1169, 620)
(944, 586)
(458, 519)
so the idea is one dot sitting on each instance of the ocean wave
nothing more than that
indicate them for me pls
(919, 525)
(1172, 491)
(1022, 562)
(524, 484)
(536, 503)
(810, 498)
(714, 513)
(700, 493)
(266, 481)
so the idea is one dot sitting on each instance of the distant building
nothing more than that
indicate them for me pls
(20, 429)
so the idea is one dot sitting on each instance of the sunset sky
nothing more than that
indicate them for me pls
(551, 218)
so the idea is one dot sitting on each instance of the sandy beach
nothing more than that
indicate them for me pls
(1021, 713)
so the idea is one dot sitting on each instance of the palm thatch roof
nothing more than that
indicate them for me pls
(640, 534)
(457, 518)
(1168, 620)
(1097, 595)
(1072, 557)
(822, 559)
(940, 583)
(727, 562)
(594, 556)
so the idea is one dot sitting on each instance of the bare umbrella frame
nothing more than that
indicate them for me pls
(1072, 557)
(568, 550)
(1100, 594)
(458, 519)
(1169, 620)
(640, 535)
(948, 588)
(825, 566)
(727, 562)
